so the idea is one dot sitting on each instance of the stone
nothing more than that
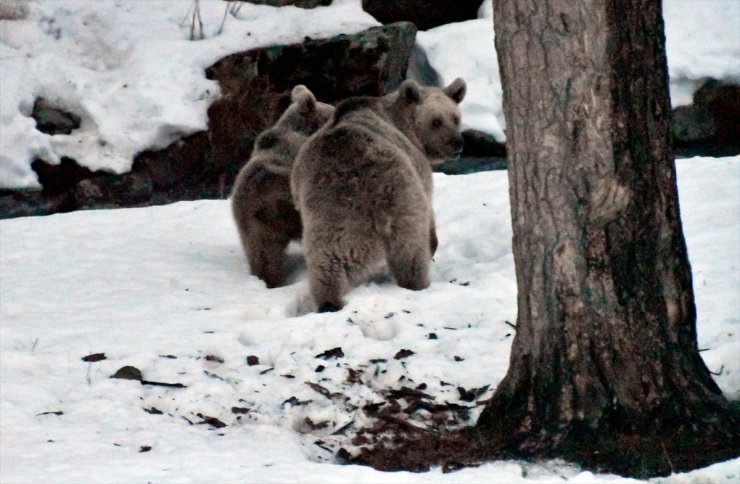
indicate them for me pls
(693, 123)
(256, 84)
(296, 3)
(53, 120)
(711, 125)
(722, 101)
(420, 69)
(183, 162)
(59, 178)
(480, 144)
(425, 14)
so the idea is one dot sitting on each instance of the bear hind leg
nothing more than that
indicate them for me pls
(328, 281)
(409, 259)
(266, 256)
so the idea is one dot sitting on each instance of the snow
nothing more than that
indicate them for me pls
(130, 70)
(166, 289)
(702, 40)
(145, 285)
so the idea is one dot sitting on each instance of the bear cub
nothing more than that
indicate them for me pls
(363, 187)
(261, 201)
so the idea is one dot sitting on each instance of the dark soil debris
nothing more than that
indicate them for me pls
(212, 421)
(403, 354)
(252, 360)
(293, 401)
(128, 373)
(94, 357)
(332, 353)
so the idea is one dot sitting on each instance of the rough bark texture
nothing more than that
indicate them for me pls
(606, 339)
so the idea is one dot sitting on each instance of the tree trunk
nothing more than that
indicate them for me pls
(605, 352)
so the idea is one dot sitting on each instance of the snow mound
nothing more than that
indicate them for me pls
(166, 290)
(130, 71)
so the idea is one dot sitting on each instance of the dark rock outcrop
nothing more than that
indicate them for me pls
(711, 125)
(53, 120)
(296, 3)
(256, 84)
(420, 69)
(255, 88)
(425, 14)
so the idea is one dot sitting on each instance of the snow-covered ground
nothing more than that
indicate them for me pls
(166, 290)
(130, 70)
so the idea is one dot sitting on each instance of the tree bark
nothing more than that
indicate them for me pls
(606, 327)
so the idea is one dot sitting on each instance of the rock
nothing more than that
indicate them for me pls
(256, 84)
(711, 125)
(425, 14)
(235, 120)
(60, 178)
(53, 120)
(88, 193)
(420, 69)
(26, 203)
(722, 101)
(467, 165)
(693, 123)
(480, 144)
(128, 373)
(184, 162)
(296, 3)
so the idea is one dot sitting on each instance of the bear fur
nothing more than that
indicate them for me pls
(363, 187)
(261, 201)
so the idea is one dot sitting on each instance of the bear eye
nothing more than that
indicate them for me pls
(456, 120)
(436, 123)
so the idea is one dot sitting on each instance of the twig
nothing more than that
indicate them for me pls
(196, 14)
(718, 373)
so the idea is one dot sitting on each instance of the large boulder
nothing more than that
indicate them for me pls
(256, 84)
(711, 125)
(255, 89)
(425, 14)
(296, 3)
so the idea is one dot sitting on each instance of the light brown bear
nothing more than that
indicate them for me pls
(261, 201)
(363, 187)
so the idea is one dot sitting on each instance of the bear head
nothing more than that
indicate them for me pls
(433, 116)
(305, 114)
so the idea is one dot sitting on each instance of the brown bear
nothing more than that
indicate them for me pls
(363, 187)
(261, 201)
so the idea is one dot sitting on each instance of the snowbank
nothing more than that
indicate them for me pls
(166, 289)
(130, 71)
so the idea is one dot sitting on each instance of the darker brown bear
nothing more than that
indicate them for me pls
(261, 201)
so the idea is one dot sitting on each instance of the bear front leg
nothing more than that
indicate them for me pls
(433, 241)
(266, 256)
(408, 258)
(327, 280)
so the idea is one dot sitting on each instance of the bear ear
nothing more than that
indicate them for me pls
(410, 92)
(456, 90)
(305, 98)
